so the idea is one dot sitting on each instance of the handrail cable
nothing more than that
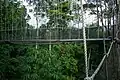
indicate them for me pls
(101, 63)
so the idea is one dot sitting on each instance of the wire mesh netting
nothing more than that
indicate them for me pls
(45, 20)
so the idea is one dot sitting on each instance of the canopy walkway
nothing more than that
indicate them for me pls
(83, 22)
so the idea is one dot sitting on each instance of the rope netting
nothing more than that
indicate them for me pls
(55, 21)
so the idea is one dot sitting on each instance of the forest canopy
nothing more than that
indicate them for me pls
(65, 61)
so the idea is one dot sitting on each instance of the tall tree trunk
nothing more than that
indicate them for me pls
(116, 47)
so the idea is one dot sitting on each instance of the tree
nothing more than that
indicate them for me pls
(12, 19)
(58, 13)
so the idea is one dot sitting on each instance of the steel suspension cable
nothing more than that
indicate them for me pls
(22, 26)
(1, 21)
(106, 65)
(79, 17)
(50, 46)
(37, 33)
(7, 22)
(98, 19)
(104, 43)
(12, 23)
(5, 26)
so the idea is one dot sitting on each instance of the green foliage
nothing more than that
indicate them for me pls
(57, 65)
(61, 11)
(12, 19)
(27, 63)
(11, 61)
(63, 62)
(11, 14)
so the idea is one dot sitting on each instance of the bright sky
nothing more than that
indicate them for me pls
(88, 19)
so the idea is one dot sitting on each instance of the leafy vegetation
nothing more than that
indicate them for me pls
(12, 17)
(23, 63)
(64, 62)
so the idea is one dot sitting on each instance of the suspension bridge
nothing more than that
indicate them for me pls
(103, 16)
